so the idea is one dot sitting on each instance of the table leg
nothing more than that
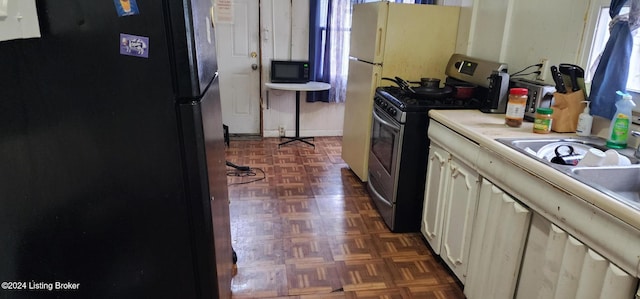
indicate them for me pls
(297, 137)
(297, 114)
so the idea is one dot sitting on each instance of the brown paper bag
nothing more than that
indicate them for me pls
(566, 110)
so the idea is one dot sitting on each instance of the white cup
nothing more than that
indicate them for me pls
(593, 157)
(612, 158)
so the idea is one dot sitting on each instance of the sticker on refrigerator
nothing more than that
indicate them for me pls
(126, 7)
(134, 45)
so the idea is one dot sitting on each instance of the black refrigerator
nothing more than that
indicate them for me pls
(112, 159)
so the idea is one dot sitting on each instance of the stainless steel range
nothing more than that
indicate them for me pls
(400, 146)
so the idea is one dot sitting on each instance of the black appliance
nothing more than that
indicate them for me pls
(113, 165)
(399, 143)
(399, 150)
(289, 71)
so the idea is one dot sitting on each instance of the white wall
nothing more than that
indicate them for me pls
(517, 32)
(521, 32)
(286, 36)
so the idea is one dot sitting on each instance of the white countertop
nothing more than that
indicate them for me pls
(309, 86)
(484, 128)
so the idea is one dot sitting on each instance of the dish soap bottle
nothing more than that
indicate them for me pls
(585, 120)
(619, 129)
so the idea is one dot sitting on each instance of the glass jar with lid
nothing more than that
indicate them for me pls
(516, 107)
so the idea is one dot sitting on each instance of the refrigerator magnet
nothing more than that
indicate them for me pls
(126, 7)
(133, 45)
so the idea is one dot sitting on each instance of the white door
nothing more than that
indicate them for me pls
(435, 185)
(499, 234)
(460, 208)
(239, 68)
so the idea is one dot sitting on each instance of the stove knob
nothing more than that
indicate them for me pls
(392, 111)
(384, 105)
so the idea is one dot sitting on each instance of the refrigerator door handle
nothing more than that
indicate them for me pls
(380, 39)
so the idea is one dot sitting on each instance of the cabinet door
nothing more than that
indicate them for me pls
(499, 234)
(556, 265)
(433, 207)
(460, 207)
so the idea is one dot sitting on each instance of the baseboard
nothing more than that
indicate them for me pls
(318, 133)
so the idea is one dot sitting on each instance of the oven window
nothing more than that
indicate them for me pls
(383, 139)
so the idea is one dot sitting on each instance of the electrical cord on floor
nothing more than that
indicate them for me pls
(244, 171)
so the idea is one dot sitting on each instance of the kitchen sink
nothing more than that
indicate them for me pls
(619, 182)
(545, 148)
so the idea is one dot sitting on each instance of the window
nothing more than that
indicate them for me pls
(329, 33)
(600, 22)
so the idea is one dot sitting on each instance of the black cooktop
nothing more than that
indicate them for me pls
(408, 101)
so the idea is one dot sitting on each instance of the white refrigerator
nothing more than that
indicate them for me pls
(388, 39)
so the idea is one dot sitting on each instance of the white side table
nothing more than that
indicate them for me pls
(298, 87)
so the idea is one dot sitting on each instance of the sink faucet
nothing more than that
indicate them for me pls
(637, 152)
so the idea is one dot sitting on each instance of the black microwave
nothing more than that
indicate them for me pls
(288, 71)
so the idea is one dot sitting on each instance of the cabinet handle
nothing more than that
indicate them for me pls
(456, 262)
(435, 159)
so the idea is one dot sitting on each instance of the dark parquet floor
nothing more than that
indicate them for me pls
(310, 230)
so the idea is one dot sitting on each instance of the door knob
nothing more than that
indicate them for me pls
(254, 66)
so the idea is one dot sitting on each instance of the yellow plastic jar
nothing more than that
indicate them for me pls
(542, 121)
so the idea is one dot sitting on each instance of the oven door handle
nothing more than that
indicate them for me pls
(384, 122)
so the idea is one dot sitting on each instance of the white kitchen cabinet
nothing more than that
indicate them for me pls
(460, 201)
(556, 265)
(451, 191)
(449, 208)
(499, 235)
(578, 243)
(432, 211)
